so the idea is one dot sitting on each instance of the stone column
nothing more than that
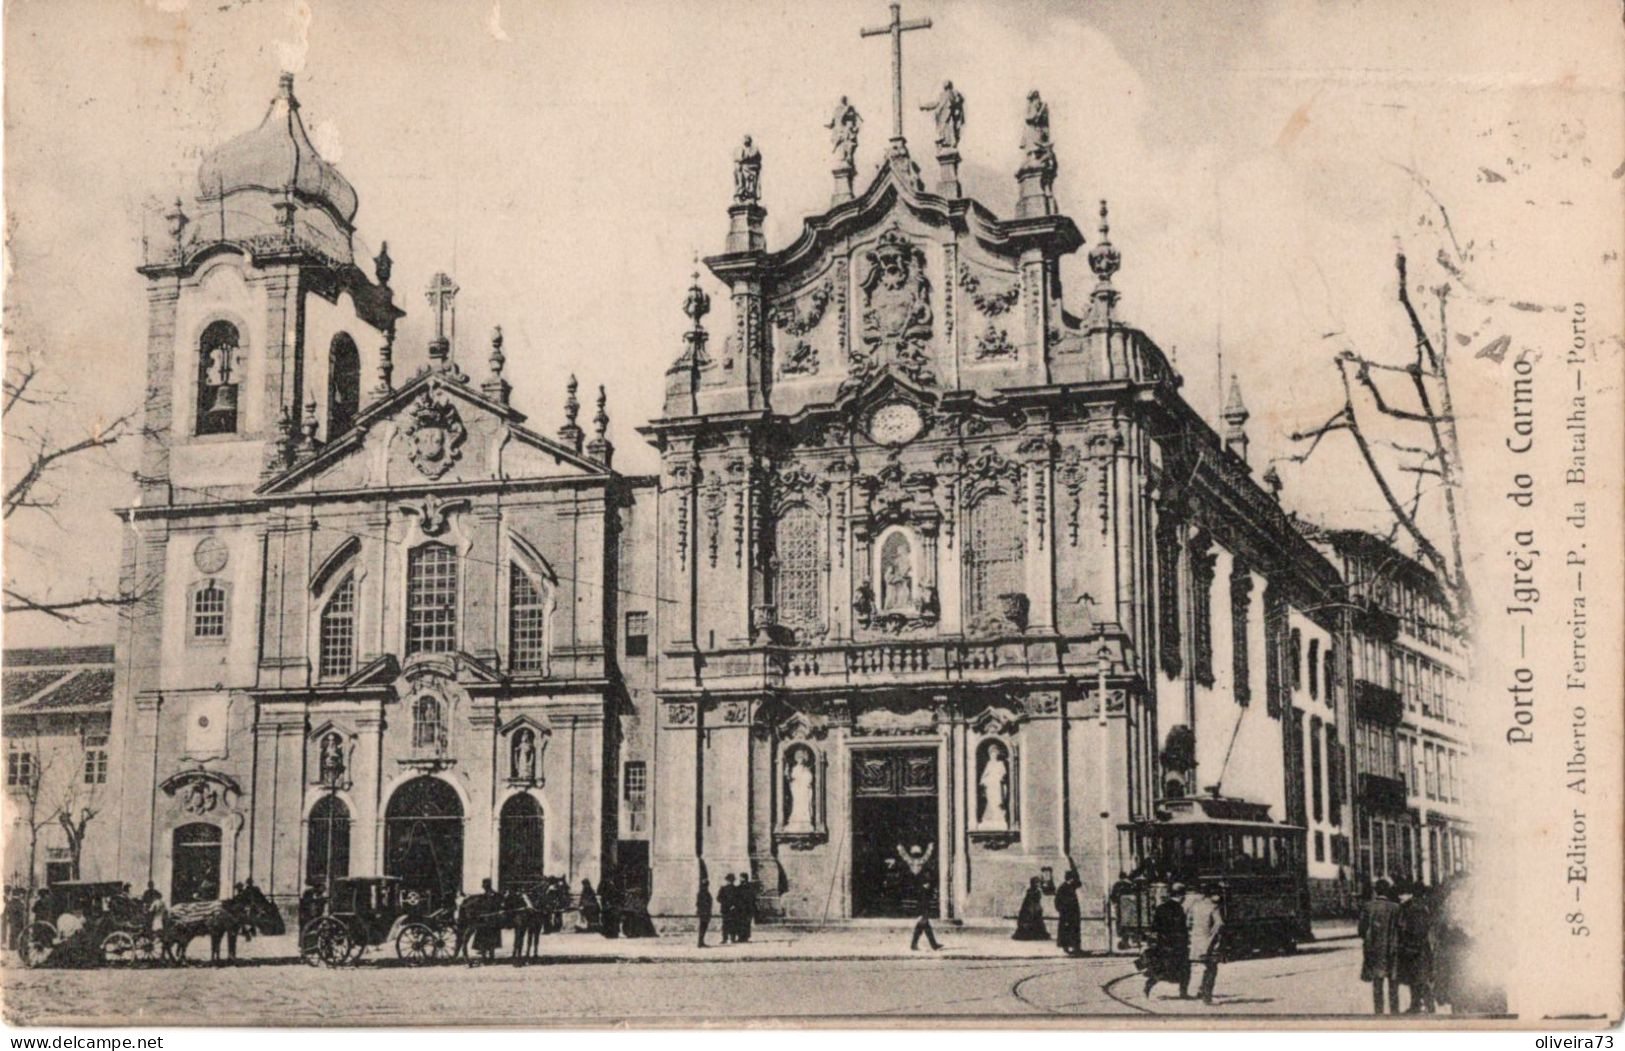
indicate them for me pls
(678, 792)
(485, 597)
(726, 816)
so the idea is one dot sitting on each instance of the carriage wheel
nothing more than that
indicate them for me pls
(38, 941)
(330, 941)
(418, 944)
(147, 948)
(118, 949)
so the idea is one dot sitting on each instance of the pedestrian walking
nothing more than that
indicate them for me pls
(1379, 941)
(1030, 919)
(1169, 959)
(1205, 918)
(916, 861)
(1414, 963)
(1069, 916)
(744, 907)
(702, 908)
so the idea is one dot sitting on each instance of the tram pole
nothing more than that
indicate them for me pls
(1103, 661)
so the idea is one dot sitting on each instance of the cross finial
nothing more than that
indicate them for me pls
(896, 30)
(442, 291)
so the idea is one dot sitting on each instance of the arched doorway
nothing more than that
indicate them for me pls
(327, 851)
(195, 863)
(423, 837)
(520, 843)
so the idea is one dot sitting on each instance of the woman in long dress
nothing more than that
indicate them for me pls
(1030, 920)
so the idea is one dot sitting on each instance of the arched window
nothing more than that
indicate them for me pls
(209, 611)
(217, 379)
(527, 621)
(327, 848)
(993, 553)
(343, 384)
(797, 568)
(429, 724)
(431, 599)
(337, 645)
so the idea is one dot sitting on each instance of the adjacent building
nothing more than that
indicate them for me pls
(60, 809)
(1411, 744)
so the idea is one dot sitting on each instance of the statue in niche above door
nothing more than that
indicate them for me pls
(897, 574)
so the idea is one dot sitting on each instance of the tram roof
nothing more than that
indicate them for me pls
(1239, 814)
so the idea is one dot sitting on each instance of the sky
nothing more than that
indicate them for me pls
(565, 161)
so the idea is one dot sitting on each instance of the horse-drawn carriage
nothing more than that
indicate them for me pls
(362, 912)
(88, 924)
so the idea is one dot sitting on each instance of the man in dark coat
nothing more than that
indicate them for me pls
(702, 908)
(1069, 916)
(1030, 920)
(745, 907)
(728, 904)
(1379, 940)
(1414, 961)
(1169, 957)
(487, 922)
(917, 863)
(609, 906)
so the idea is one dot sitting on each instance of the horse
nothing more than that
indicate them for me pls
(247, 912)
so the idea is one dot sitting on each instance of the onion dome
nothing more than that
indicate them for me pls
(277, 157)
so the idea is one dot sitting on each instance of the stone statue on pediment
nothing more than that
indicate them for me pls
(747, 173)
(843, 133)
(949, 113)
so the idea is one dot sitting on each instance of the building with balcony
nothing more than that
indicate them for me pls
(1411, 745)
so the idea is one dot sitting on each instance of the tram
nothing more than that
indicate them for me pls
(1232, 845)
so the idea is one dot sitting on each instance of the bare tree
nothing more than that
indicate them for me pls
(35, 485)
(37, 812)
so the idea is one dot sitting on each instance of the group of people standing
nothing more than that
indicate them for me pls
(1396, 936)
(737, 903)
(1030, 926)
(1186, 929)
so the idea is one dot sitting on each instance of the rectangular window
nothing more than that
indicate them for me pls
(1168, 611)
(1320, 846)
(637, 633)
(1201, 561)
(336, 651)
(95, 766)
(1317, 791)
(994, 553)
(20, 766)
(431, 600)
(1430, 770)
(209, 612)
(1241, 598)
(798, 567)
(635, 784)
(527, 622)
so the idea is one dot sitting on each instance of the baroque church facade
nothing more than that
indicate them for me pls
(938, 565)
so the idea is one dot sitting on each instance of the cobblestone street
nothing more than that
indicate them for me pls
(869, 979)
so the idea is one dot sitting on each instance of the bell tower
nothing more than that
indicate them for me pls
(260, 323)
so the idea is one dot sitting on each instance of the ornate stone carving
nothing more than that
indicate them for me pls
(682, 713)
(1073, 472)
(433, 513)
(787, 315)
(897, 315)
(992, 300)
(994, 345)
(435, 434)
(996, 720)
(712, 501)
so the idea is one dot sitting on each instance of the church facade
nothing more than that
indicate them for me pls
(939, 572)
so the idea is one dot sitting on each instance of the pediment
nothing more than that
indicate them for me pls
(543, 727)
(436, 429)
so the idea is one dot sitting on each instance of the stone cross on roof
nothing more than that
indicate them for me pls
(442, 290)
(896, 30)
